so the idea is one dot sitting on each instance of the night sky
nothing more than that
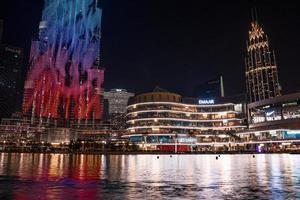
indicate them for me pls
(175, 44)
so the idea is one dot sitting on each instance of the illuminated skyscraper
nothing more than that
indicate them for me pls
(117, 100)
(64, 80)
(261, 68)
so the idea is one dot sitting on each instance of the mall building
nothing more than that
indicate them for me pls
(165, 121)
(273, 123)
(273, 118)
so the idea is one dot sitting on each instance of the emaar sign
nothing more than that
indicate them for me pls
(206, 101)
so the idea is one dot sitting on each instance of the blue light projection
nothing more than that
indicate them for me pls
(64, 72)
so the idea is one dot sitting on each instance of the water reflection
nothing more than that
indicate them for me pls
(66, 176)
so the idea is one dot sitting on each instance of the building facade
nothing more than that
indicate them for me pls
(273, 120)
(117, 100)
(261, 68)
(1, 30)
(20, 130)
(11, 59)
(157, 119)
(116, 104)
(64, 81)
(63, 89)
(213, 88)
(276, 113)
(274, 124)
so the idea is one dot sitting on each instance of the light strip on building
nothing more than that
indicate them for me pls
(153, 134)
(184, 120)
(262, 131)
(181, 104)
(186, 127)
(283, 142)
(182, 112)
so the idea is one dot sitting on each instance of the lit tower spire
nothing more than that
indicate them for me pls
(261, 68)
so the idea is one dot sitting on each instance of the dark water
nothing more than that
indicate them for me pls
(63, 176)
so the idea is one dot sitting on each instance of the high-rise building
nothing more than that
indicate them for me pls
(64, 81)
(1, 30)
(117, 100)
(10, 76)
(261, 68)
(213, 88)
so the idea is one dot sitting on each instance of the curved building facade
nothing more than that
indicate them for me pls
(164, 118)
(158, 95)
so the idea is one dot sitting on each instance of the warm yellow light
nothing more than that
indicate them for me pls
(155, 129)
(286, 143)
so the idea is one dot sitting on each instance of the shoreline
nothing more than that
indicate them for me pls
(150, 153)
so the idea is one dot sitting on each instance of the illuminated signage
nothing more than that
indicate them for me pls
(238, 107)
(186, 140)
(206, 101)
(13, 50)
(270, 113)
(294, 132)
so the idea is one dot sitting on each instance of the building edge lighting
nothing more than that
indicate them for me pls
(186, 127)
(185, 120)
(182, 112)
(180, 104)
